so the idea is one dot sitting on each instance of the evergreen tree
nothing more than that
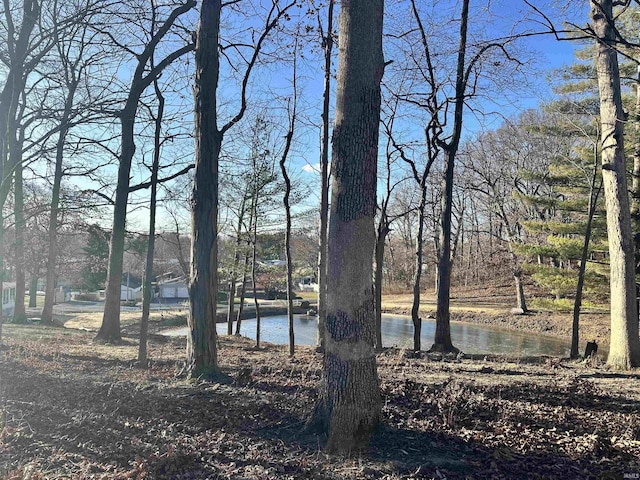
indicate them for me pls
(94, 273)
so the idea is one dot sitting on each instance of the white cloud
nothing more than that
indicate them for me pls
(315, 168)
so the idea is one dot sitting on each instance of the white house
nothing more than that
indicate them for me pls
(308, 284)
(8, 297)
(174, 289)
(128, 293)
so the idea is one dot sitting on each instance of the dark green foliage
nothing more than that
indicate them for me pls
(94, 273)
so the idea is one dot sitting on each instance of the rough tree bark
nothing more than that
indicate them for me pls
(201, 351)
(202, 359)
(624, 350)
(349, 403)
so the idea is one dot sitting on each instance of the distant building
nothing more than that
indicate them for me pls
(128, 294)
(308, 284)
(8, 298)
(175, 289)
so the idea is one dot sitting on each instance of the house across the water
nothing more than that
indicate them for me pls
(172, 290)
(8, 298)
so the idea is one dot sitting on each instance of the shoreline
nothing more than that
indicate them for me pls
(593, 326)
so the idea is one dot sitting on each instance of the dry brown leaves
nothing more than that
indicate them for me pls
(72, 409)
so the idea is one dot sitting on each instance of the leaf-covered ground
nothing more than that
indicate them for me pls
(72, 409)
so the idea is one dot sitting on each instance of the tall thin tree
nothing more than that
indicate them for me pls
(141, 79)
(327, 44)
(292, 109)
(202, 350)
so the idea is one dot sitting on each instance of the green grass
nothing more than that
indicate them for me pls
(39, 301)
(565, 305)
(173, 320)
(310, 296)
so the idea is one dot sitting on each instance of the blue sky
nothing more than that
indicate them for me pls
(506, 14)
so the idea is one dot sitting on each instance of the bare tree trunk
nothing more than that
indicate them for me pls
(52, 255)
(19, 312)
(148, 269)
(243, 292)
(287, 206)
(33, 291)
(635, 186)
(521, 302)
(110, 327)
(234, 270)
(245, 268)
(202, 352)
(624, 350)
(324, 179)
(15, 79)
(381, 237)
(415, 307)
(442, 341)
(577, 304)
(254, 281)
(349, 400)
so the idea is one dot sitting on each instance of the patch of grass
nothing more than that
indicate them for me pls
(39, 301)
(552, 305)
(310, 296)
(565, 305)
(172, 320)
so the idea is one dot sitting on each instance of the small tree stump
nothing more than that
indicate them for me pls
(591, 349)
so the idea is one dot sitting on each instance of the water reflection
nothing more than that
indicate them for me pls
(398, 331)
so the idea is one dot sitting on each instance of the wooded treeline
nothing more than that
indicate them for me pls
(97, 125)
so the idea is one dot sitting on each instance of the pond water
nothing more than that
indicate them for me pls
(398, 331)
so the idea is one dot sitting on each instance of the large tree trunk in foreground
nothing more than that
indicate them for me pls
(349, 404)
(202, 359)
(624, 349)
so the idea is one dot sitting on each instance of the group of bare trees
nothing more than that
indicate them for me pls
(72, 116)
(100, 90)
